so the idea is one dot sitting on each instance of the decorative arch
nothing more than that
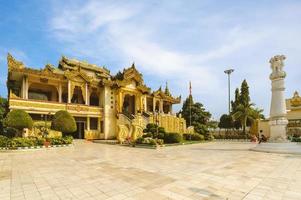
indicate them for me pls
(77, 95)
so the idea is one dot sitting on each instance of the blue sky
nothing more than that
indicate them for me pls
(174, 41)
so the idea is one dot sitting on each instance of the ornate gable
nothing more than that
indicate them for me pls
(132, 74)
(72, 64)
(128, 76)
(296, 100)
(77, 75)
(165, 95)
(12, 63)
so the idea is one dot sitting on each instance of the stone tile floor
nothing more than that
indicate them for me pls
(87, 171)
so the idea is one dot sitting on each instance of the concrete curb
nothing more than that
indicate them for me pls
(34, 147)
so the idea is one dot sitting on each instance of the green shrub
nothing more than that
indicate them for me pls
(67, 139)
(23, 142)
(40, 124)
(209, 137)
(161, 135)
(149, 141)
(160, 141)
(60, 140)
(40, 141)
(56, 141)
(10, 132)
(140, 140)
(11, 144)
(296, 139)
(152, 128)
(152, 142)
(32, 141)
(193, 136)
(147, 135)
(172, 138)
(161, 130)
(4, 141)
(64, 122)
(18, 119)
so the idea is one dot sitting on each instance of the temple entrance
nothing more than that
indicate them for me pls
(166, 107)
(157, 107)
(80, 132)
(129, 104)
(81, 126)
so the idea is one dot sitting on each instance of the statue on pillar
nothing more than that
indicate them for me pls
(278, 120)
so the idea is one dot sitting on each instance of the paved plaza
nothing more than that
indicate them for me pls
(217, 170)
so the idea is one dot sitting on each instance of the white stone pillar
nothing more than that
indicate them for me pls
(154, 104)
(145, 103)
(60, 92)
(98, 124)
(26, 90)
(69, 91)
(88, 123)
(23, 88)
(87, 96)
(161, 106)
(109, 115)
(278, 120)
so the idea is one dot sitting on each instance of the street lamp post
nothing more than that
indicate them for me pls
(229, 71)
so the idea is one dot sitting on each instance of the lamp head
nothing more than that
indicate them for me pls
(229, 71)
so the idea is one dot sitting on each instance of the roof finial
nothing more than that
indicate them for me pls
(166, 89)
(133, 65)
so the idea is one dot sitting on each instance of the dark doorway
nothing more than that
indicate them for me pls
(129, 104)
(80, 132)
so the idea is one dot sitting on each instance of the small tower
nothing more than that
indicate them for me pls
(278, 120)
(167, 90)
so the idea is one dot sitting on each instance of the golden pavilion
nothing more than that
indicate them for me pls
(104, 106)
(293, 109)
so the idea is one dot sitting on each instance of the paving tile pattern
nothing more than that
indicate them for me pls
(217, 170)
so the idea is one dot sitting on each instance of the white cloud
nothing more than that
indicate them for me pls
(152, 36)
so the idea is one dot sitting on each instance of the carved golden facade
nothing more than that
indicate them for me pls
(104, 106)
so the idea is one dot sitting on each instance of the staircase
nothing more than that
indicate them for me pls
(106, 141)
(131, 126)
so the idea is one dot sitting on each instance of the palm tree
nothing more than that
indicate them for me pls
(244, 113)
(257, 113)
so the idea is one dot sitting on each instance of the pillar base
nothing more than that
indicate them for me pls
(278, 130)
(282, 148)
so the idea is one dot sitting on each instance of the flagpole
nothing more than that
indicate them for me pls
(190, 98)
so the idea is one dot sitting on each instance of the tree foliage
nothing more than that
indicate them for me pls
(18, 119)
(243, 112)
(244, 94)
(63, 121)
(199, 116)
(3, 112)
(225, 121)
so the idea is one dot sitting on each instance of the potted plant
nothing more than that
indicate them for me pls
(44, 132)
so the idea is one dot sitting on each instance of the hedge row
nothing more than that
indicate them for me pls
(296, 139)
(232, 137)
(193, 137)
(32, 141)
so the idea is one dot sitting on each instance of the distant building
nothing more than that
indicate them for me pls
(293, 108)
(105, 106)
